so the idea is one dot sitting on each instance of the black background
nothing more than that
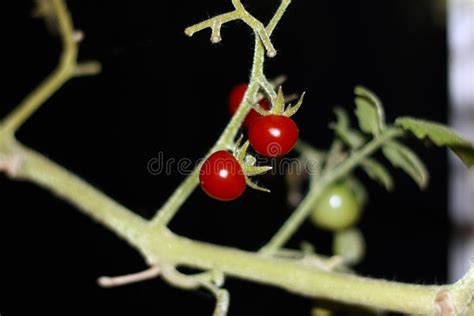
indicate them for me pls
(162, 91)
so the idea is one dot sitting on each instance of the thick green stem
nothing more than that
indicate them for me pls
(320, 184)
(306, 280)
(162, 246)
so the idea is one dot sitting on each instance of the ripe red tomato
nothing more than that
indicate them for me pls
(273, 135)
(235, 98)
(222, 177)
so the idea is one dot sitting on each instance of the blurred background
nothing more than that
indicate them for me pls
(163, 92)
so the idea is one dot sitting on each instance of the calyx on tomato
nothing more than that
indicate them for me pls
(278, 106)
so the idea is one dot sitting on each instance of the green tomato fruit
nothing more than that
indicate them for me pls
(349, 244)
(338, 208)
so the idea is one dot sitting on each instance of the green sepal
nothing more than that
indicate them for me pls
(278, 103)
(256, 186)
(251, 171)
(291, 110)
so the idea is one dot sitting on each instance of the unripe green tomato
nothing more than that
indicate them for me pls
(349, 244)
(337, 208)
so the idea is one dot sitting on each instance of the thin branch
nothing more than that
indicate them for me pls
(216, 32)
(148, 274)
(278, 15)
(54, 81)
(222, 299)
(267, 87)
(240, 13)
(212, 23)
(211, 281)
(87, 68)
(262, 33)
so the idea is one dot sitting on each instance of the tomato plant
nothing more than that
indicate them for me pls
(224, 176)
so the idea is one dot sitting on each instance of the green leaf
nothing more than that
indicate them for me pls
(376, 171)
(343, 130)
(440, 135)
(335, 156)
(404, 158)
(369, 111)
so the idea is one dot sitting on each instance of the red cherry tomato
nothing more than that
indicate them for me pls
(235, 98)
(273, 135)
(222, 177)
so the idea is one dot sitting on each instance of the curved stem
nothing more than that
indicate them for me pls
(267, 87)
(53, 82)
(277, 16)
(116, 281)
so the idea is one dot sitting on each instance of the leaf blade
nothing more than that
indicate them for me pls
(367, 116)
(369, 111)
(377, 172)
(404, 158)
(366, 93)
(441, 136)
(343, 130)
